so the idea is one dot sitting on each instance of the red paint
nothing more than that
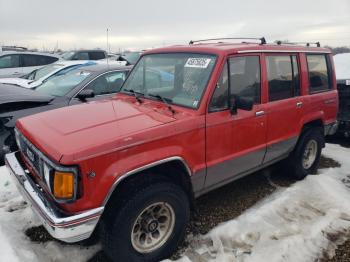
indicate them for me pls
(115, 136)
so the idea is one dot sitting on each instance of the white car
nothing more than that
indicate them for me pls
(37, 77)
(18, 63)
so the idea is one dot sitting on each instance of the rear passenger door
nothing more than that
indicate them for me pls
(285, 105)
(236, 143)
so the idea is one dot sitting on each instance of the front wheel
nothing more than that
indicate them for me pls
(306, 156)
(147, 227)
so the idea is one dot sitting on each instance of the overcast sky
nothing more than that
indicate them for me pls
(141, 24)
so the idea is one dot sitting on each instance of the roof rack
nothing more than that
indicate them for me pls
(261, 39)
(308, 44)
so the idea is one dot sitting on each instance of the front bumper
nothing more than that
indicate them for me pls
(60, 225)
(331, 128)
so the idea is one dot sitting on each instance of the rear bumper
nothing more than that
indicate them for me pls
(67, 228)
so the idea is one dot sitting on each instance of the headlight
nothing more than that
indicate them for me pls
(47, 170)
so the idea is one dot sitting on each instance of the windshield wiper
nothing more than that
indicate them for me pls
(166, 101)
(136, 94)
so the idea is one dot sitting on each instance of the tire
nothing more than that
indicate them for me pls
(301, 163)
(167, 199)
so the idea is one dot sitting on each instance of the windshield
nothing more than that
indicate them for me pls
(60, 85)
(44, 71)
(67, 55)
(179, 78)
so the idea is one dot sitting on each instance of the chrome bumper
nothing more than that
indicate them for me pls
(65, 228)
(331, 129)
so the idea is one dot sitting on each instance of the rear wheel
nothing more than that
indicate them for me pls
(305, 158)
(147, 227)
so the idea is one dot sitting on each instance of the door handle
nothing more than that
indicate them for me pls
(260, 113)
(329, 101)
(299, 104)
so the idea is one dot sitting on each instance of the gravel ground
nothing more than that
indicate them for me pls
(227, 203)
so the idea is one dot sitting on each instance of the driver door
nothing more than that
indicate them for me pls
(236, 142)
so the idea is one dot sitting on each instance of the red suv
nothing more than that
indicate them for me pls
(189, 119)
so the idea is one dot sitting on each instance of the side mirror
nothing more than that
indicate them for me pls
(241, 103)
(86, 93)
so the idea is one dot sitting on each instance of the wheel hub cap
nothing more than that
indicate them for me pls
(310, 154)
(153, 227)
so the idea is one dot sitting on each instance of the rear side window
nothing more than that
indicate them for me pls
(283, 77)
(9, 61)
(37, 60)
(97, 55)
(319, 76)
(245, 77)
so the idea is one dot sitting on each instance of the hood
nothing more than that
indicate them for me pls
(10, 94)
(16, 81)
(81, 131)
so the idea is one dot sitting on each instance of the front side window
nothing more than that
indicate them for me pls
(9, 61)
(108, 83)
(245, 77)
(219, 100)
(283, 77)
(61, 85)
(179, 78)
(81, 56)
(319, 77)
(96, 55)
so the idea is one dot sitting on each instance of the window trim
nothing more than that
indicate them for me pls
(290, 55)
(329, 73)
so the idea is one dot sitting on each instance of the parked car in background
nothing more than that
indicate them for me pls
(131, 57)
(77, 85)
(342, 68)
(85, 55)
(187, 120)
(38, 76)
(17, 63)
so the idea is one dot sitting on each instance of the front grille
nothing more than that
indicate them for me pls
(30, 152)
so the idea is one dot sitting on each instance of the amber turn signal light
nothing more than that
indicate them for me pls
(63, 186)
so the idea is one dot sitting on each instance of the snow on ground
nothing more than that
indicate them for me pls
(298, 223)
(15, 217)
(342, 66)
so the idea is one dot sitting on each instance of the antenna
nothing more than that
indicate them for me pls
(107, 48)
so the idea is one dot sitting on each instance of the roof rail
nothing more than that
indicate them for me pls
(261, 39)
(308, 44)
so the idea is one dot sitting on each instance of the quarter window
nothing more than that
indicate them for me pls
(9, 61)
(283, 77)
(319, 79)
(219, 100)
(245, 77)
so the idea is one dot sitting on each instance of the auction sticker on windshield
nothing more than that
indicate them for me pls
(198, 62)
(347, 82)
